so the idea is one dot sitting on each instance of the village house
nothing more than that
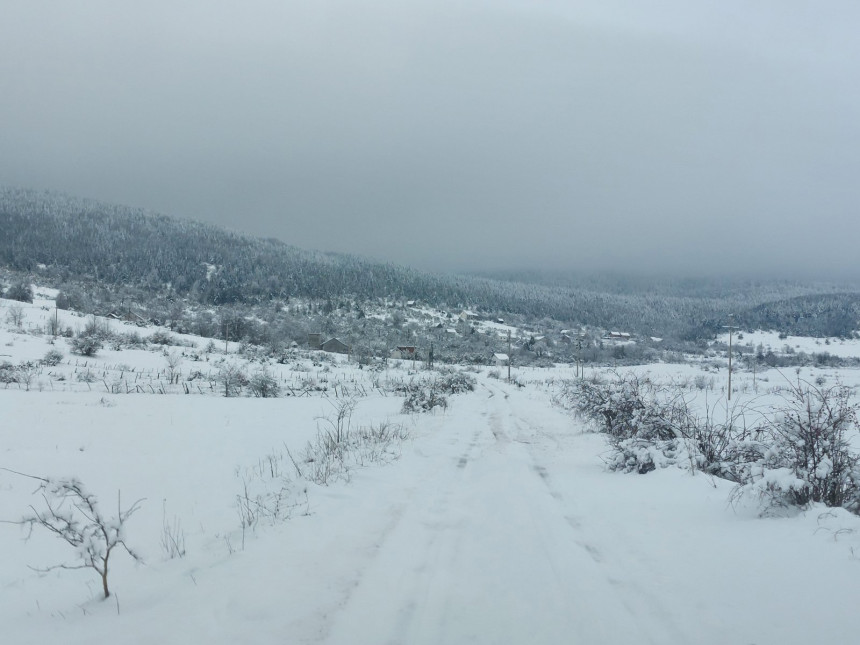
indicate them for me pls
(335, 346)
(405, 352)
(617, 336)
(332, 345)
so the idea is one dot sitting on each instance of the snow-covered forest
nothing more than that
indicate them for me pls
(105, 257)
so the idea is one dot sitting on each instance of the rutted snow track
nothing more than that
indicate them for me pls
(487, 551)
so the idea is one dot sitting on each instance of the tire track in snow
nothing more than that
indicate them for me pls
(635, 599)
(485, 553)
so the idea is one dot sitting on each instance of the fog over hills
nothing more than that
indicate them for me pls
(693, 138)
(121, 252)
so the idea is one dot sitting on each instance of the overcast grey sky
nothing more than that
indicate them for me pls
(667, 135)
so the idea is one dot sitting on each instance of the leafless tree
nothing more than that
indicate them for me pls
(27, 371)
(173, 360)
(72, 514)
(15, 315)
(231, 378)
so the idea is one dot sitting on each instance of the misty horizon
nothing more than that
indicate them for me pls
(684, 140)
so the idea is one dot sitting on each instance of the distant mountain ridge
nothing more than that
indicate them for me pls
(67, 238)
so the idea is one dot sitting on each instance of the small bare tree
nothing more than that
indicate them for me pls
(15, 315)
(27, 371)
(72, 514)
(262, 384)
(231, 378)
(173, 360)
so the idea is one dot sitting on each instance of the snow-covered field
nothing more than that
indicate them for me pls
(494, 521)
(771, 341)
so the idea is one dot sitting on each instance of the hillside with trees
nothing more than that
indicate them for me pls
(105, 256)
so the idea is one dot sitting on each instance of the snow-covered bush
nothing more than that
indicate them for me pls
(22, 292)
(231, 379)
(52, 358)
(427, 394)
(262, 384)
(642, 455)
(720, 447)
(624, 407)
(161, 337)
(8, 373)
(651, 426)
(86, 345)
(456, 382)
(424, 397)
(807, 455)
(133, 339)
(801, 453)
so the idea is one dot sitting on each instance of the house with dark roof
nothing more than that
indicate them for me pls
(335, 346)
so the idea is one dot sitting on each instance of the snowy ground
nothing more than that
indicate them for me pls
(496, 524)
(771, 341)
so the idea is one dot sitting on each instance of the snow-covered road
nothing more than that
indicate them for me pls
(484, 549)
(498, 525)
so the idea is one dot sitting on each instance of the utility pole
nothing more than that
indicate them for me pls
(755, 365)
(579, 371)
(730, 327)
(509, 356)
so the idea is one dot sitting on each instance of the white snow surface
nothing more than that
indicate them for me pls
(770, 340)
(498, 523)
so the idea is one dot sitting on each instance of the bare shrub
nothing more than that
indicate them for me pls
(27, 371)
(651, 426)
(73, 515)
(337, 447)
(161, 337)
(15, 315)
(267, 494)
(263, 385)
(97, 328)
(231, 379)
(86, 376)
(172, 361)
(807, 454)
(172, 535)
(133, 339)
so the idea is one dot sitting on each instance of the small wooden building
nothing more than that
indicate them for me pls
(335, 346)
(404, 352)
